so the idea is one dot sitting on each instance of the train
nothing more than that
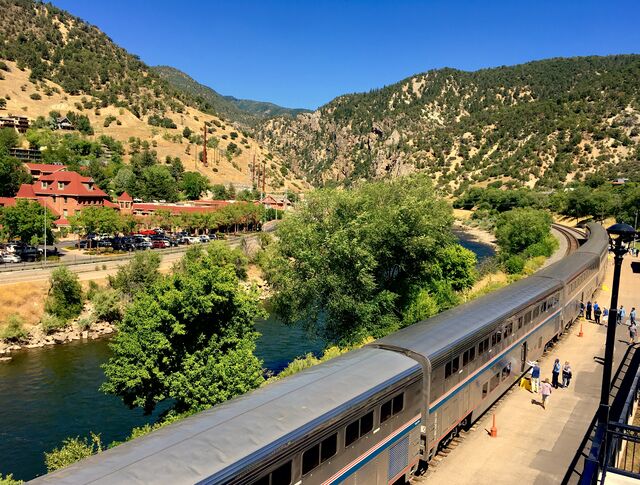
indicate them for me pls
(375, 415)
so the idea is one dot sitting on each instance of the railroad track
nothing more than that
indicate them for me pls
(572, 235)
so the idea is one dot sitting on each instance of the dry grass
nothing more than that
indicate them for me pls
(25, 299)
(21, 104)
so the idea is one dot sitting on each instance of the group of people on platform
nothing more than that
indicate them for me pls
(598, 312)
(545, 388)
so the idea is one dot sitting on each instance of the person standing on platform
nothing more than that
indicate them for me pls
(632, 315)
(566, 375)
(556, 373)
(581, 309)
(597, 313)
(589, 310)
(545, 390)
(633, 333)
(535, 376)
(621, 314)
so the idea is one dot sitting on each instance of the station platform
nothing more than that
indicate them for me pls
(534, 445)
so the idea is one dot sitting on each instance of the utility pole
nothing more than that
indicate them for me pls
(45, 236)
(204, 146)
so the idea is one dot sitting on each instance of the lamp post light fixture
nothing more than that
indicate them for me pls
(620, 237)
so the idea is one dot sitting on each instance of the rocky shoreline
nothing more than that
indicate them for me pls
(38, 339)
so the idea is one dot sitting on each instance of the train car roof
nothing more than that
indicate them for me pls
(214, 444)
(435, 337)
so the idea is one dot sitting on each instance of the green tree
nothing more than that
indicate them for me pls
(186, 132)
(140, 273)
(27, 220)
(8, 479)
(96, 220)
(347, 263)
(188, 338)
(194, 184)
(157, 183)
(8, 139)
(12, 175)
(65, 298)
(518, 229)
(125, 181)
(219, 192)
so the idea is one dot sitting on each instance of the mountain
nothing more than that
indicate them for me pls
(244, 111)
(542, 123)
(54, 61)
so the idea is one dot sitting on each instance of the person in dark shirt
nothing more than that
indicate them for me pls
(589, 310)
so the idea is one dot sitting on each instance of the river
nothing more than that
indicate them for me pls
(49, 394)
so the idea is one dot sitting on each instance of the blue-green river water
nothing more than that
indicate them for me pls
(49, 394)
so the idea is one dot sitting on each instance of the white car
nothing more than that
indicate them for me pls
(193, 240)
(10, 258)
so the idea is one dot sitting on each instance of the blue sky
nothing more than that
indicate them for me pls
(303, 54)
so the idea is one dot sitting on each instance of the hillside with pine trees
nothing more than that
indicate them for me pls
(538, 124)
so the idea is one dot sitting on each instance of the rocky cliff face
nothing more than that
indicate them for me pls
(542, 123)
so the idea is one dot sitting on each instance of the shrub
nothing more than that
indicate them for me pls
(141, 272)
(85, 323)
(4, 67)
(65, 294)
(107, 305)
(35, 96)
(9, 480)
(93, 289)
(108, 120)
(14, 331)
(514, 265)
(51, 323)
(71, 451)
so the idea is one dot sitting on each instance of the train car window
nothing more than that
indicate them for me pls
(385, 411)
(455, 365)
(483, 346)
(495, 380)
(352, 433)
(485, 390)
(366, 423)
(519, 323)
(543, 307)
(398, 402)
(496, 338)
(311, 459)
(391, 407)
(317, 454)
(468, 356)
(447, 369)
(328, 447)
(536, 312)
(282, 475)
(508, 330)
(527, 318)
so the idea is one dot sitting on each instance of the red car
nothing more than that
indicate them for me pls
(159, 244)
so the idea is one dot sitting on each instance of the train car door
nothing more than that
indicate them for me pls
(523, 356)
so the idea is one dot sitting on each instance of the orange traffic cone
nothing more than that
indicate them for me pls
(581, 333)
(494, 431)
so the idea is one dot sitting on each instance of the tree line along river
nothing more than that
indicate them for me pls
(49, 394)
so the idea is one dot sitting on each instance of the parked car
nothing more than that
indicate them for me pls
(143, 244)
(9, 258)
(159, 244)
(104, 243)
(204, 238)
(193, 240)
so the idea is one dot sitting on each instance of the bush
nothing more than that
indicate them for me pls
(65, 294)
(51, 323)
(85, 323)
(546, 247)
(141, 272)
(108, 120)
(93, 289)
(71, 451)
(35, 96)
(514, 265)
(14, 331)
(107, 305)
(9, 480)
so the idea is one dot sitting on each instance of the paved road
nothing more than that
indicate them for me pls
(536, 446)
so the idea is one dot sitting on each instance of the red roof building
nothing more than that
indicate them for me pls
(38, 169)
(65, 193)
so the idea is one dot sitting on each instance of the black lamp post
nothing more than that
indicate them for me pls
(620, 235)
